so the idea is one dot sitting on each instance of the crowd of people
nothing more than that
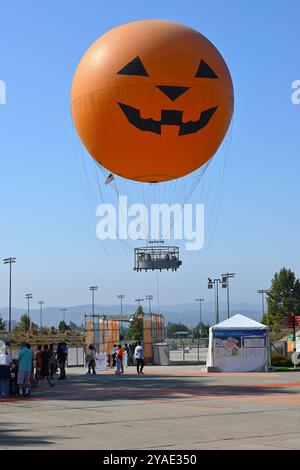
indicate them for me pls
(18, 377)
(115, 358)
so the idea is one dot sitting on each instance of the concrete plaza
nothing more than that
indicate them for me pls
(176, 407)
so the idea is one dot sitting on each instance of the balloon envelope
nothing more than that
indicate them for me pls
(152, 100)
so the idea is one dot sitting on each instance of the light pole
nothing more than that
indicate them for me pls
(139, 301)
(200, 318)
(64, 313)
(41, 303)
(262, 292)
(28, 297)
(9, 261)
(215, 283)
(149, 298)
(93, 289)
(121, 297)
(225, 284)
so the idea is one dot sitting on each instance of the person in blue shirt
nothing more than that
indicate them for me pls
(25, 361)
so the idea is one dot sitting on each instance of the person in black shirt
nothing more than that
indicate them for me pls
(45, 366)
(62, 354)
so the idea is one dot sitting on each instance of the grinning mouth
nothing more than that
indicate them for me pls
(169, 117)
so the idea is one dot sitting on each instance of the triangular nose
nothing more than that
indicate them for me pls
(173, 92)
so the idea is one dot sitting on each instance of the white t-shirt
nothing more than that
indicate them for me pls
(5, 360)
(139, 352)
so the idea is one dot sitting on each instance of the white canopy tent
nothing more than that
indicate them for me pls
(238, 344)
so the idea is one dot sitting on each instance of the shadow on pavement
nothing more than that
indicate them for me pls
(9, 437)
(151, 387)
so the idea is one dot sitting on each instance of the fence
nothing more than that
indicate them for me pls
(76, 357)
(187, 351)
(279, 347)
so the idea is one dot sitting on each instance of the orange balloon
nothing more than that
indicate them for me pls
(152, 100)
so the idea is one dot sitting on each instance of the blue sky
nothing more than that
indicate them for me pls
(46, 222)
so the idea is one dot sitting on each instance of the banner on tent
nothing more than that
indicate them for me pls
(240, 350)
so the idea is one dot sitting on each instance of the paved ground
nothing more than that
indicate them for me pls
(167, 408)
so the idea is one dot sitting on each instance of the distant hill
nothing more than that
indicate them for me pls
(184, 313)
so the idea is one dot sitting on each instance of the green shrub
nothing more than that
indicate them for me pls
(280, 360)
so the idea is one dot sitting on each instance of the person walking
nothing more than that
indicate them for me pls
(45, 369)
(62, 354)
(5, 378)
(139, 357)
(25, 361)
(52, 361)
(130, 355)
(38, 362)
(91, 359)
(33, 381)
(113, 355)
(119, 360)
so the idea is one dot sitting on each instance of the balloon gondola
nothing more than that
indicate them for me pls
(152, 258)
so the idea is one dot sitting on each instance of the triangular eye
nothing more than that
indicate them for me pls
(204, 71)
(135, 67)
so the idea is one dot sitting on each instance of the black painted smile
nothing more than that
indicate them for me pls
(169, 117)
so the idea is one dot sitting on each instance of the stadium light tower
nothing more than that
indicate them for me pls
(121, 297)
(139, 301)
(214, 283)
(28, 297)
(64, 313)
(200, 312)
(225, 284)
(41, 303)
(149, 298)
(262, 292)
(93, 289)
(9, 261)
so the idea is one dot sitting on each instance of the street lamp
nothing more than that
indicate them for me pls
(149, 298)
(64, 313)
(93, 289)
(200, 318)
(262, 292)
(225, 284)
(9, 261)
(41, 303)
(28, 297)
(215, 284)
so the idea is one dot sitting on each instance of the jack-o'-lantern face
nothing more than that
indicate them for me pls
(152, 100)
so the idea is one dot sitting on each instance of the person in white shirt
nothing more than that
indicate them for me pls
(139, 356)
(5, 363)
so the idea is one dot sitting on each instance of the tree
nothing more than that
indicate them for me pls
(63, 326)
(24, 323)
(2, 324)
(136, 328)
(175, 328)
(200, 327)
(283, 298)
(73, 326)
